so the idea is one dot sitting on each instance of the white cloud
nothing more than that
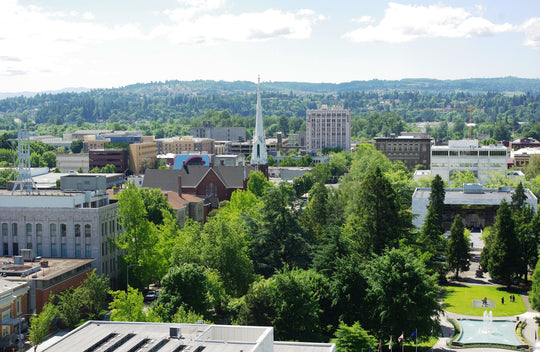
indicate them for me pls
(42, 40)
(364, 19)
(196, 22)
(404, 23)
(531, 28)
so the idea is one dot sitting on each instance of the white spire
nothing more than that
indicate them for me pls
(258, 154)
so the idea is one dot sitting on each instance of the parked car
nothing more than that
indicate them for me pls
(151, 295)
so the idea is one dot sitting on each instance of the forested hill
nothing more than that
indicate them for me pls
(510, 85)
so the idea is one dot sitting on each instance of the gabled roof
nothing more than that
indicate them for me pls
(177, 201)
(167, 180)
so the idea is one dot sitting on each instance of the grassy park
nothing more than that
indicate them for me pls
(458, 299)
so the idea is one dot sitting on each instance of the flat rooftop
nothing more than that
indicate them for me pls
(488, 196)
(27, 270)
(138, 336)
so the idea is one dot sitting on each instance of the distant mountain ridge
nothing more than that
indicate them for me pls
(424, 85)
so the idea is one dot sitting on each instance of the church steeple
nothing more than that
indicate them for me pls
(258, 154)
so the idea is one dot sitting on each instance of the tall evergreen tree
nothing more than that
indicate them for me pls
(376, 221)
(504, 258)
(518, 198)
(457, 252)
(431, 237)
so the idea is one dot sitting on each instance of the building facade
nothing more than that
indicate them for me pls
(77, 221)
(179, 145)
(232, 134)
(411, 150)
(72, 162)
(103, 157)
(13, 306)
(142, 155)
(466, 155)
(328, 128)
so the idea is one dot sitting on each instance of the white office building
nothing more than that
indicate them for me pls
(328, 128)
(466, 155)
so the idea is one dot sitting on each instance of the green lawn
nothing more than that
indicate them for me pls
(458, 299)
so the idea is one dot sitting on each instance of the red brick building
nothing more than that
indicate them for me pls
(103, 157)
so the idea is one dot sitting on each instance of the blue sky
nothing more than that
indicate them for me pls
(54, 44)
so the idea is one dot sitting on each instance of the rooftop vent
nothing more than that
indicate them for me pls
(472, 188)
(174, 332)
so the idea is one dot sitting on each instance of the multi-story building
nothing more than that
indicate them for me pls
(328, 128)
(13, 306)
(77, 221)
(524, 143)
(179, 145)
(466, 155)
(142, 155)
(72, 162)
(90, 142)
(103, 157)
(412, 150)
(522, 156)
(233, 134)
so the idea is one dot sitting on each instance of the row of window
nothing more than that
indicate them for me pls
(52, 229)
(53, 250)
(468, 152)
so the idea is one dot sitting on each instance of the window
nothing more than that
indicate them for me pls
(87, 230)
(29, 245)
(6, 315)
(53, 250)
(78, 253)
(15, 248)
(19, 306)
(52, 230)
(77, 230)
(63, 250)
(39, 229)
(88, 251)
(14, 229)
(4, 229)
(211, 190)
(63, 229)
(28, 229)
(39, 250)
(6, 249)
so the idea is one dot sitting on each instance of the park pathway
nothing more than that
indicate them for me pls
(469, 278)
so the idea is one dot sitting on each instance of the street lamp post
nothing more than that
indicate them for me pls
(127, 274)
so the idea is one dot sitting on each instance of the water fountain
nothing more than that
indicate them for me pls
(488, 331)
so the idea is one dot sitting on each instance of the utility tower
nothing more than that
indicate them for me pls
(24, 181)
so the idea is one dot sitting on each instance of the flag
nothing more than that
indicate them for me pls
(390, 344)
(370, 349)
(431, 333)
(413, 334)
(379, 349)
(400, 338)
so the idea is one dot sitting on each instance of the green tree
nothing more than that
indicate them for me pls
(533, 167)
(76, 146)
(69, 305)
(94, 293)
(257, 183)
(278, 238)
(375, 222)
(352, 338)
(401, 295)
(49, 158)
(431, 236)
(314, 217)
(40, 325)
(139, 239)
(534, 294)
(155, 203)
(503, 263)
(303, 184)
(129, 306)
(457, 252)
(322, 173)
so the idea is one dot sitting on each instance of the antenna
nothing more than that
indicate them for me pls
(24, 179)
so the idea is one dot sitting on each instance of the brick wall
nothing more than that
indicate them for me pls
(42, 296)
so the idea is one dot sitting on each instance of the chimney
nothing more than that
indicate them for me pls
(180, 185)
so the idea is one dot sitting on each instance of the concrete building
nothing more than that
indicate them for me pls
(103, 157)
(90, 143)
(328, 128)
(77, 221)
(228, 160)
(477, 206)
(521, 143)
(232, 134)
(412, 150)
(72, 162)
(169, 337)
(13, 307)
(80, 134)
(466, 155)
(179, 145)
(142, 155)
(187, 206)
